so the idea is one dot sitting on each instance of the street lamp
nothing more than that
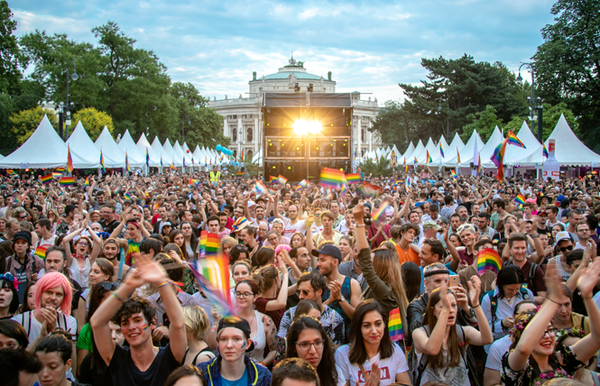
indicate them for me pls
(303, 127)
(189, 123)
(73, 76)
(533, 100)
(447, 116)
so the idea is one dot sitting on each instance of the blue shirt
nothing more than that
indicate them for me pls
(243, 381)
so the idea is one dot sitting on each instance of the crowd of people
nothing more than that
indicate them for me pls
(329, 288)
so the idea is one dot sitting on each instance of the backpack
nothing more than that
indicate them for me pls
(494, 303)
(417, 367)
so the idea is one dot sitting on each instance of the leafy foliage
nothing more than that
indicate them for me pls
(484, 122)
(379, 167)
(25, 122)
(93, 121)
(9, 51)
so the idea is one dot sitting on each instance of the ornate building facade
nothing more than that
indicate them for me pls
(243, 121)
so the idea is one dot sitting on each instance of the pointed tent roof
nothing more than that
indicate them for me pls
(83, 151)
(570, 151)
(198, 157)
(43, 149)
(409, 150)
(113, 156)
(437, 156)
(188, 153)
(530, 155)
(171, 157)
(160, 152)
(134, 156)
(456, 143)
(143, 144)
(466, 154)
(431, 148)
(179, 152)
(486, 153)
(410, 158)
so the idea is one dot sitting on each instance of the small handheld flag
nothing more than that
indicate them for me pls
(513, 140)
(47, 179)
(331, 178)
(353, 178)
(69, 160)
(260, 188)
(454, 176)
(520, 199)
(282, 180)
(479, 168)
(457, 155)
(545, 151)
(209, 244)
(441, 150)
(40, 251)
(240, 173)
(127, 162)
(65, 181)
(429, 158)
(86, 184)
(380, 210)
(147, 158)
(395, 325)
(488, 260)
(102, 162)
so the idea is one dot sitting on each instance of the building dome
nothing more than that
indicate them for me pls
(295, 68)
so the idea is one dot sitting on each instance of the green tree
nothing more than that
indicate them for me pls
(567, 64)
(378, 168)
(25, 122)
(8, 141)
(93, 121)
(9, 51)
(484, 122)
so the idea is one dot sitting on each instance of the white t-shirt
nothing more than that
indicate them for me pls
(44, 242)
(497, 351)
(389, 367)
(290, 229)
(34, 328)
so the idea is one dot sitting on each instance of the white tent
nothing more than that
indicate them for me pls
(570, 151)
(84, 153)
(171, 158)
(486, 153)
(530, 155)
(134, 156)
(143, 145)
(113, 156)
(466, 154)
(409, 150)
(43, 149)
(160, 152)
(422, 157)
(410, 158)
(456, 144)
(188, 153)
(179, 154)
(437, 156)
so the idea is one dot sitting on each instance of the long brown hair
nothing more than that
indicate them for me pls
(387, 267)
(358, 352)
(430, 320)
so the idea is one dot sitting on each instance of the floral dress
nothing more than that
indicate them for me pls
(530, 374)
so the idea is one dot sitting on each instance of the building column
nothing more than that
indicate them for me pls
(358, 137)
(370, 137)
(256, 136)
(240, 137)
(225, 127)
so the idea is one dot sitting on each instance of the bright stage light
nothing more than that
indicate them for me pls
(304, 127)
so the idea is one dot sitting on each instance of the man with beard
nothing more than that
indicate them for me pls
(291, 224)
(302, 259)
(108, 222)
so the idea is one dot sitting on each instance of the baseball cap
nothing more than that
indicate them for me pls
(561, 236)
(239, 323)
(22, 235)
(431, 224)
(329, 250)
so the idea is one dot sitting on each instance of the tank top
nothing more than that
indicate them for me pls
(259, 339)
(132, 247)
(81, 275)
(336, 306)
(560, 270)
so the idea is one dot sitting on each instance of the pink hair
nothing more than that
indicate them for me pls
(53, 280)
(280, 247)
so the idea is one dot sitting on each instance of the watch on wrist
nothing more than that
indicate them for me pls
(342, 298)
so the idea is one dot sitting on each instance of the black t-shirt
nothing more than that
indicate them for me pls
(89, 375)
(110, 227)
(124, 371)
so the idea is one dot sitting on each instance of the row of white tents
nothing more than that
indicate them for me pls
(570, 151)
(45, 149)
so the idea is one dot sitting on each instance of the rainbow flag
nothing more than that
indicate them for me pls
(520, 199)
(240, 173)
(69, 160)
(147, 158)
(479, 167)
(161, 163)
(454, 176)
(367, 189)
(282, 180)
(10, 172)
(353, 178)
(65, 181)
(102, 162)
(127, 196)
(47, 179)
(429, 159)
(40, 251)
(172, 167)
(513, 140)
(395, 325)
(331, 178)
(127, 163)
(488, 260)
(498, 159)
(416, 161)
(442, 150)
(184, 162)
(86, 183)
(405, 166)
(209, 244)
(457, 155)
(193, 181)
(221, 158)
(380, 210)
(212, 275)
(545, 150)
(260, 188)
(56, 175)
(60, 170)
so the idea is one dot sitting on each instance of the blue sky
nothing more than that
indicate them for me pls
(369, 46)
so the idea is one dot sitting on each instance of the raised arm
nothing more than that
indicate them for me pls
(97, 245)
(432, 344)
(589, 345)
(455, 263)
(66, 244)
(484, 335)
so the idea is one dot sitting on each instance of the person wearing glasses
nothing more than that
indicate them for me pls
(84, 253)
(535, 355)
(308, 340)
(263, 330)
(563, 245)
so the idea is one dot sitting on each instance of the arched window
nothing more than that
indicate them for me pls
(249, 134)
(233, 134)
(362, 135)
(249, 155)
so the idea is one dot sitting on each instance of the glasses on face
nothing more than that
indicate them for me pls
(567, 248)
(305, 346)
(302, 292)
(551, 331)
(83, 244)
(23, 217)
(243, 295)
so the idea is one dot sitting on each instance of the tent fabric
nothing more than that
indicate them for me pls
(160, 152)
(43, 149)
(486, 153)
(570, 151)
(84, 153)
(466, 154)
(171, 158)
(432, 148)
(143, 144)
(409, 150)
(456, 143)
(134, 156)
(531, 155)
(180, 154)
(113, 156)
(410, 159)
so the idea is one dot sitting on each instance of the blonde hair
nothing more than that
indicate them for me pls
(196, 321)
(227, 242)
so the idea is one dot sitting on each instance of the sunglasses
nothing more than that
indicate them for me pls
(110, 286)
(565, 249)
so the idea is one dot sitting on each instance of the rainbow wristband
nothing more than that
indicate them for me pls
(164, 283)
(117, 297)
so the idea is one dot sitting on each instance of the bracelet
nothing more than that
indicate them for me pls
(479, 305)
(164, 283)
(553, 301)
(117, 296)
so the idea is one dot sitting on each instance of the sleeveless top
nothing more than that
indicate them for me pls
(335, 305)
(81, 275)
(259, 339)
(132, 247)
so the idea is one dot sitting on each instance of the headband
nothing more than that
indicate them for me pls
(436, 272)
(9, 277)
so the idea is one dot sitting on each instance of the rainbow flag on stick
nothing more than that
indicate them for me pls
(40, 251)
(60, 170)
(127, 163)
(520, 199)
(56, 175)
(442, 150)
(331, 178)
(260, 188)
(86, 183)
(69, 160)
(65, 181)
(102, 162)
(498, 158)
(488, 260)
(380, 210)
(454, 176)
(47, 179)
(395, 325)
(353, 178)
(429, 159)
(367, 189)
(457, 155)
(209, 244)
(282, 180)
(545, 150)
(147, 158)
(212, 275)
(479, 168)
(514, 140)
